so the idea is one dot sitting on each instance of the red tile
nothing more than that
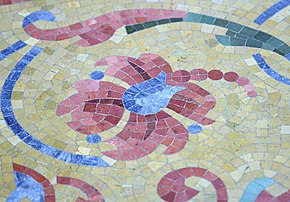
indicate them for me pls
(222, 194)
(215, 74)
(231, 76)
(181, 76)
(186, 172)
(264, 196)
(63, 180)
(190, 193)
(198, 74)
(76, 26)
(181, 197)
(242, 81)
(199, 172)
(169, 197)
(218, 184)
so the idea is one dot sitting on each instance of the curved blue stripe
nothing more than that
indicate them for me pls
(9, 117)
(12, 49)
(38, 15)
(254, 189)
(264, 66)
(268, 70)
(271, 11)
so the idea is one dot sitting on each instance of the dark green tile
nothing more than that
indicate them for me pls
(176, 19)
(237, 41)
(221, 22)
(207, 20)
(193, 17)
(130, 29)
(241, 36)
(247, 31)
(139, 27)
(234, 26)
(267, 47)
(284, 48)
(279, 52)
(254, 43)
(224, 40)
(150, 24)
(274, 42)
(262, 36)
(230, 33)
(163, 21)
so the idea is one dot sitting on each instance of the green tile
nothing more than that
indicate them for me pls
(163, 21)
(234, 26)
(139, 27)
(274, 42)
(224, 40)
(262, 36)
(130, 29)
(237, 41)
(247, 31)
(279, 52)
(241, 36)
(221, 22)
(208, 19)
(176, 19)
(267, 47)
(230, 33)
(284, 48)
(193, 17)
(149, 24)
(254, 43)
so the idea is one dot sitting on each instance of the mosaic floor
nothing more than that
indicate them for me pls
(145, 100)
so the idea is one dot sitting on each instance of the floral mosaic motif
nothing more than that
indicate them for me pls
(99, 105)
(172, 186)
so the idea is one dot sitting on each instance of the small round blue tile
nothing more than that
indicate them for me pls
(194, 129)
(94, 139)
(97, 75)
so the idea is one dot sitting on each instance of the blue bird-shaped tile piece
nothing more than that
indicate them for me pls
(149, 97)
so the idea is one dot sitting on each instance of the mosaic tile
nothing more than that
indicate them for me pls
(7, 2)
(263, 17)
(144, 101)
(12, 49)
(268, 70)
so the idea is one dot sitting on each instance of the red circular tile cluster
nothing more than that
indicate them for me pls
(231, 76)
(181, 76)
(215, 75)
(198, 74)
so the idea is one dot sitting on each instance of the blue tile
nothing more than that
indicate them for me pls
(194, 129)
(94, 139)
(36, 16)
(253, 190)
(263, 17)
(97, 75)
(150, 96)
(26, 187)
(11, 49)
(268, 70)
